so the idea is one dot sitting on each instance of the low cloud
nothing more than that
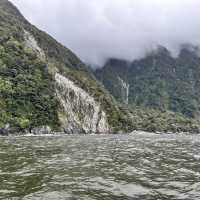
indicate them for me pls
(98, 29)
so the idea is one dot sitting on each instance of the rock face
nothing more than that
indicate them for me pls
(43, 130)
(3, 132)
(80, 112)
(32, 44)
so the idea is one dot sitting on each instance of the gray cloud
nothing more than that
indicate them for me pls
(98, 29)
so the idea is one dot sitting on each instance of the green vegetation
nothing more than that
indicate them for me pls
(26, 88)
(160, 84)
(158, 81)
(153, 120)
(26, 80)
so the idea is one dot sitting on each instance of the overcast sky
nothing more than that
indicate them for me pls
(98, 29)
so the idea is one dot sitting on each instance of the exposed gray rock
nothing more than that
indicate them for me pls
(43, 130)
(32, 44)
(5, 131)
(80, 112)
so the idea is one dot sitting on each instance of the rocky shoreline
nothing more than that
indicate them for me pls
(43, 130)
(46, 131)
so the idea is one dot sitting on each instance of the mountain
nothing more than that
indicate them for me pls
(161, 91)
(158, 81)
(44, 86)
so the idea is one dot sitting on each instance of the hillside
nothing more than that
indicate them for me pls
(158, 81)
(43, 84)
(160, 90)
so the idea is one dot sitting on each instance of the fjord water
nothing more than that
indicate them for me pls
(100, 167)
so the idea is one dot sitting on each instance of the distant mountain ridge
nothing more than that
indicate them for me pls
(158, 81)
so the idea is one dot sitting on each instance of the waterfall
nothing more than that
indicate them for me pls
(124, 90)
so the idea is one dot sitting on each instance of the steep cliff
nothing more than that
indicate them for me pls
(42, 83)
(80, 111)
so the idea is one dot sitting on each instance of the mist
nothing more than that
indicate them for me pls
(127, 29)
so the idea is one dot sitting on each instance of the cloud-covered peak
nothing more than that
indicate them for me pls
(127, 29)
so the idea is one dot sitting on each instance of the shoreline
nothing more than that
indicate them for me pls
(60, 134)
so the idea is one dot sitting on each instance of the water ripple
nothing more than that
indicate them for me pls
(114, 167)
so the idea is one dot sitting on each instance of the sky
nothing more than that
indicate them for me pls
(127, 29)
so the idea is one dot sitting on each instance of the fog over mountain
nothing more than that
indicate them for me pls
(98, 29)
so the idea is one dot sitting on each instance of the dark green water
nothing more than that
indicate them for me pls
(116, 167)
